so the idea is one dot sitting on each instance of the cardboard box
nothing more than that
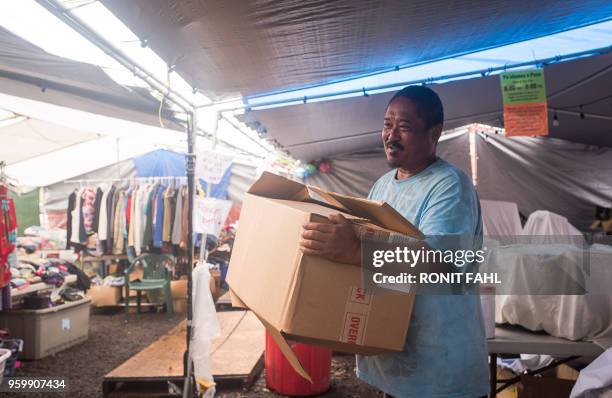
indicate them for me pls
(306, 298)
(105, 296)
(544, 387)
(178, 289)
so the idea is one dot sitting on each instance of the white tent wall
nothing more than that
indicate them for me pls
(563, 177)
(315, 130)
(354, 174)
(566, 178)
(243, 176)
(55, 196)
(30, 138)
(74, 160)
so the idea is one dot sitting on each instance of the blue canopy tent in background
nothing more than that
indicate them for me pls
(165, 163)
(159, 163)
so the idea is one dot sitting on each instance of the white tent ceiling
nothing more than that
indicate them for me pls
(30, 138)
(28, 71)
(55, 143)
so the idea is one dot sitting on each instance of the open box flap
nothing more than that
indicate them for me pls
(236, 302)
(274, 186)
(279, 340)
(381, 212)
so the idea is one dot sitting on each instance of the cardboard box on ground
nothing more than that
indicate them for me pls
(306, 298)
(178, 290)
(110, 296)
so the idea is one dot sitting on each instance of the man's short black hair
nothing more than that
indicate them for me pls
(427, 103)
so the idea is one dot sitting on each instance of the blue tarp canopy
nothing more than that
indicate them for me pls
(165, 163)
(252, 47)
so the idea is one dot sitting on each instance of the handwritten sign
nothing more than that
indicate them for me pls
(211, 166)
(210, 215)
(525, 108)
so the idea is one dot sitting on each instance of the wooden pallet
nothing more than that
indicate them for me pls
(236, 357)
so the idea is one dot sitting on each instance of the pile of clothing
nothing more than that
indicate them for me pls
(110, 280)
(39, 238)
(51, 271)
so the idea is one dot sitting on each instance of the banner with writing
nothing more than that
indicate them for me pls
(209, 215)
(211, 166)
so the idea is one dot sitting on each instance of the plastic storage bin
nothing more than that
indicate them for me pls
(281, 377)
(15, 346)
(50, 330)
(4, 356)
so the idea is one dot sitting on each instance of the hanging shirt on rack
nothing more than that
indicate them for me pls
(147, 239)
(185, 226)
(97, 208)
(141, 219)
(169, 209)
(102, 218)
(178, 218)
(77, 219)
(158, 223)
(126, 213)
(112, 202)
(133, 216)
(8, 236)
(89, 198)
(118, 244)
(71, 206)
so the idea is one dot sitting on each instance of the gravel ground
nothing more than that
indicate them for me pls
(112, 342)
(344, 384)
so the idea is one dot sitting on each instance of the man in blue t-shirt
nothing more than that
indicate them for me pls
(445, 354)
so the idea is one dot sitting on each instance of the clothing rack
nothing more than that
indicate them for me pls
(129, 179)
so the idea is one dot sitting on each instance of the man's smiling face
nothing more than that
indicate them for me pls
(409, 143)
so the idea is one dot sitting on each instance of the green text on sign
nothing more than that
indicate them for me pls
(523, 87)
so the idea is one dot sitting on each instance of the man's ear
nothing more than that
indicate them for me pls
(436, 132)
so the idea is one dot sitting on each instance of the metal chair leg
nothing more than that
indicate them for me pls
(126, 301)
(169, 303)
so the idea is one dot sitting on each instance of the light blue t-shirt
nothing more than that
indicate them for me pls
(445, 354)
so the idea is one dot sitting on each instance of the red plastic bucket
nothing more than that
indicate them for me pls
(281, 377)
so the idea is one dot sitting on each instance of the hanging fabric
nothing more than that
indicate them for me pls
(130, 216)
(8, 231)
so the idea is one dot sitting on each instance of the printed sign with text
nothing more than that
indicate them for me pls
(209, 215)
(211, 166)
(525, 109)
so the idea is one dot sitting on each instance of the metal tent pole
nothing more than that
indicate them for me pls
(191, 159)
